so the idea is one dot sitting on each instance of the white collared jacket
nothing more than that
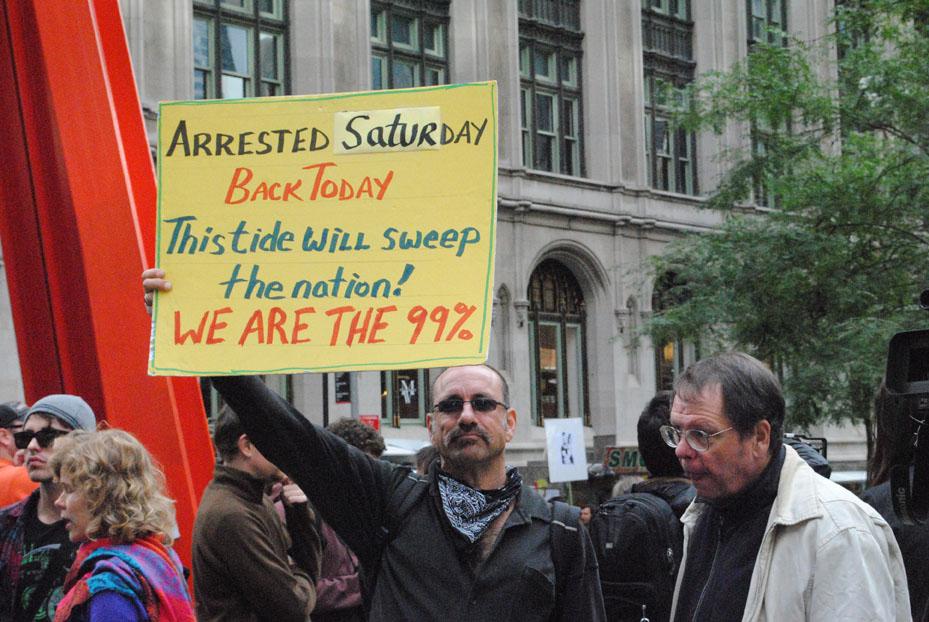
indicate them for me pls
(825, 556)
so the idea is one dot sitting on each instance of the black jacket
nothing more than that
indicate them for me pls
(393, 521)
(914, 545)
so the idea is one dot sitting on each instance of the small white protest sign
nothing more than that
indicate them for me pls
(567, 460)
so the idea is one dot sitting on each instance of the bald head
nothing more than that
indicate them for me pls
(503, 386)
(474, 426)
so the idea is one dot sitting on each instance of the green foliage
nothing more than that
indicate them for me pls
(817, 284)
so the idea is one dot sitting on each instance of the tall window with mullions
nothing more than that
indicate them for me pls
(667, 42)
(550, 54)
(557, 344)
(409, 43)
(673, 355)
(409, 48)
(766, 21)
(240, 48)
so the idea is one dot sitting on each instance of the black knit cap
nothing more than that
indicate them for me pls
(10, 412)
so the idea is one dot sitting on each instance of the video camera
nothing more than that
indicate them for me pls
(907, 417)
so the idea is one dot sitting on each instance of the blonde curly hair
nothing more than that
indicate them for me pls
(122, 486)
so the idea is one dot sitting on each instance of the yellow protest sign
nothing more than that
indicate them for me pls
(334, 232)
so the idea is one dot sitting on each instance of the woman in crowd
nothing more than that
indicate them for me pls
(893, 446)
(114, 504)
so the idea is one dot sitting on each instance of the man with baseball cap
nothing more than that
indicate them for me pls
(15, 484)
(35, 552)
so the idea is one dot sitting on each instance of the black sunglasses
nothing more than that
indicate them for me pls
(44, 437)
(454, 405)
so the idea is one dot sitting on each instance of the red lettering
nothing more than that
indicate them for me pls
(346, 191)
(266, 191)
(338, 311)
(255, 325)
(276, 319)
(379, 324)
(365, 188)
(195, 334)
(290, 190)
(300, 326)
(384, 184)
(417, 315)
(216, 325)
(330, 189)
(358, 331)
(321, 169)
(237, 184)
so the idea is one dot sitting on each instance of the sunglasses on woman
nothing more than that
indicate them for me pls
(44, 437)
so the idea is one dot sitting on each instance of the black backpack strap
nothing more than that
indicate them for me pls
(565, 535)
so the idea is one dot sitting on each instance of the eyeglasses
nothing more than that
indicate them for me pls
(44, 437)
(697, 439)
(454, 405)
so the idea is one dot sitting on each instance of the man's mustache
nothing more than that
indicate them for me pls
(459, 432)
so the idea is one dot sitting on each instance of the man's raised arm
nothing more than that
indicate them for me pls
(348, 487)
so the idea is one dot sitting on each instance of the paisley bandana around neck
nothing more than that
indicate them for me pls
(470, 511)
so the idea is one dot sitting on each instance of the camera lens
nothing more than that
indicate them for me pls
(924, 299)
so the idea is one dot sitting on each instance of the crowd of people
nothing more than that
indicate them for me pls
(92, 541)
(301, 522)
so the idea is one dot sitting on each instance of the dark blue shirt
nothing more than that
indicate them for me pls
(722, 549)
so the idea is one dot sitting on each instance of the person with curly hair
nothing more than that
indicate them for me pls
(359, 435)
(113, 503)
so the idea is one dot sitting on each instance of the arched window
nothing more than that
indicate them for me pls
(557, 344)
(672, 356)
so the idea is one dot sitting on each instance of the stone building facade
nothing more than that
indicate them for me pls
(592, 182)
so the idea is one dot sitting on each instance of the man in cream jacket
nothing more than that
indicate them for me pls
(767, 538)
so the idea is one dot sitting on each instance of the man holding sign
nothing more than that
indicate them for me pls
(469, 541)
